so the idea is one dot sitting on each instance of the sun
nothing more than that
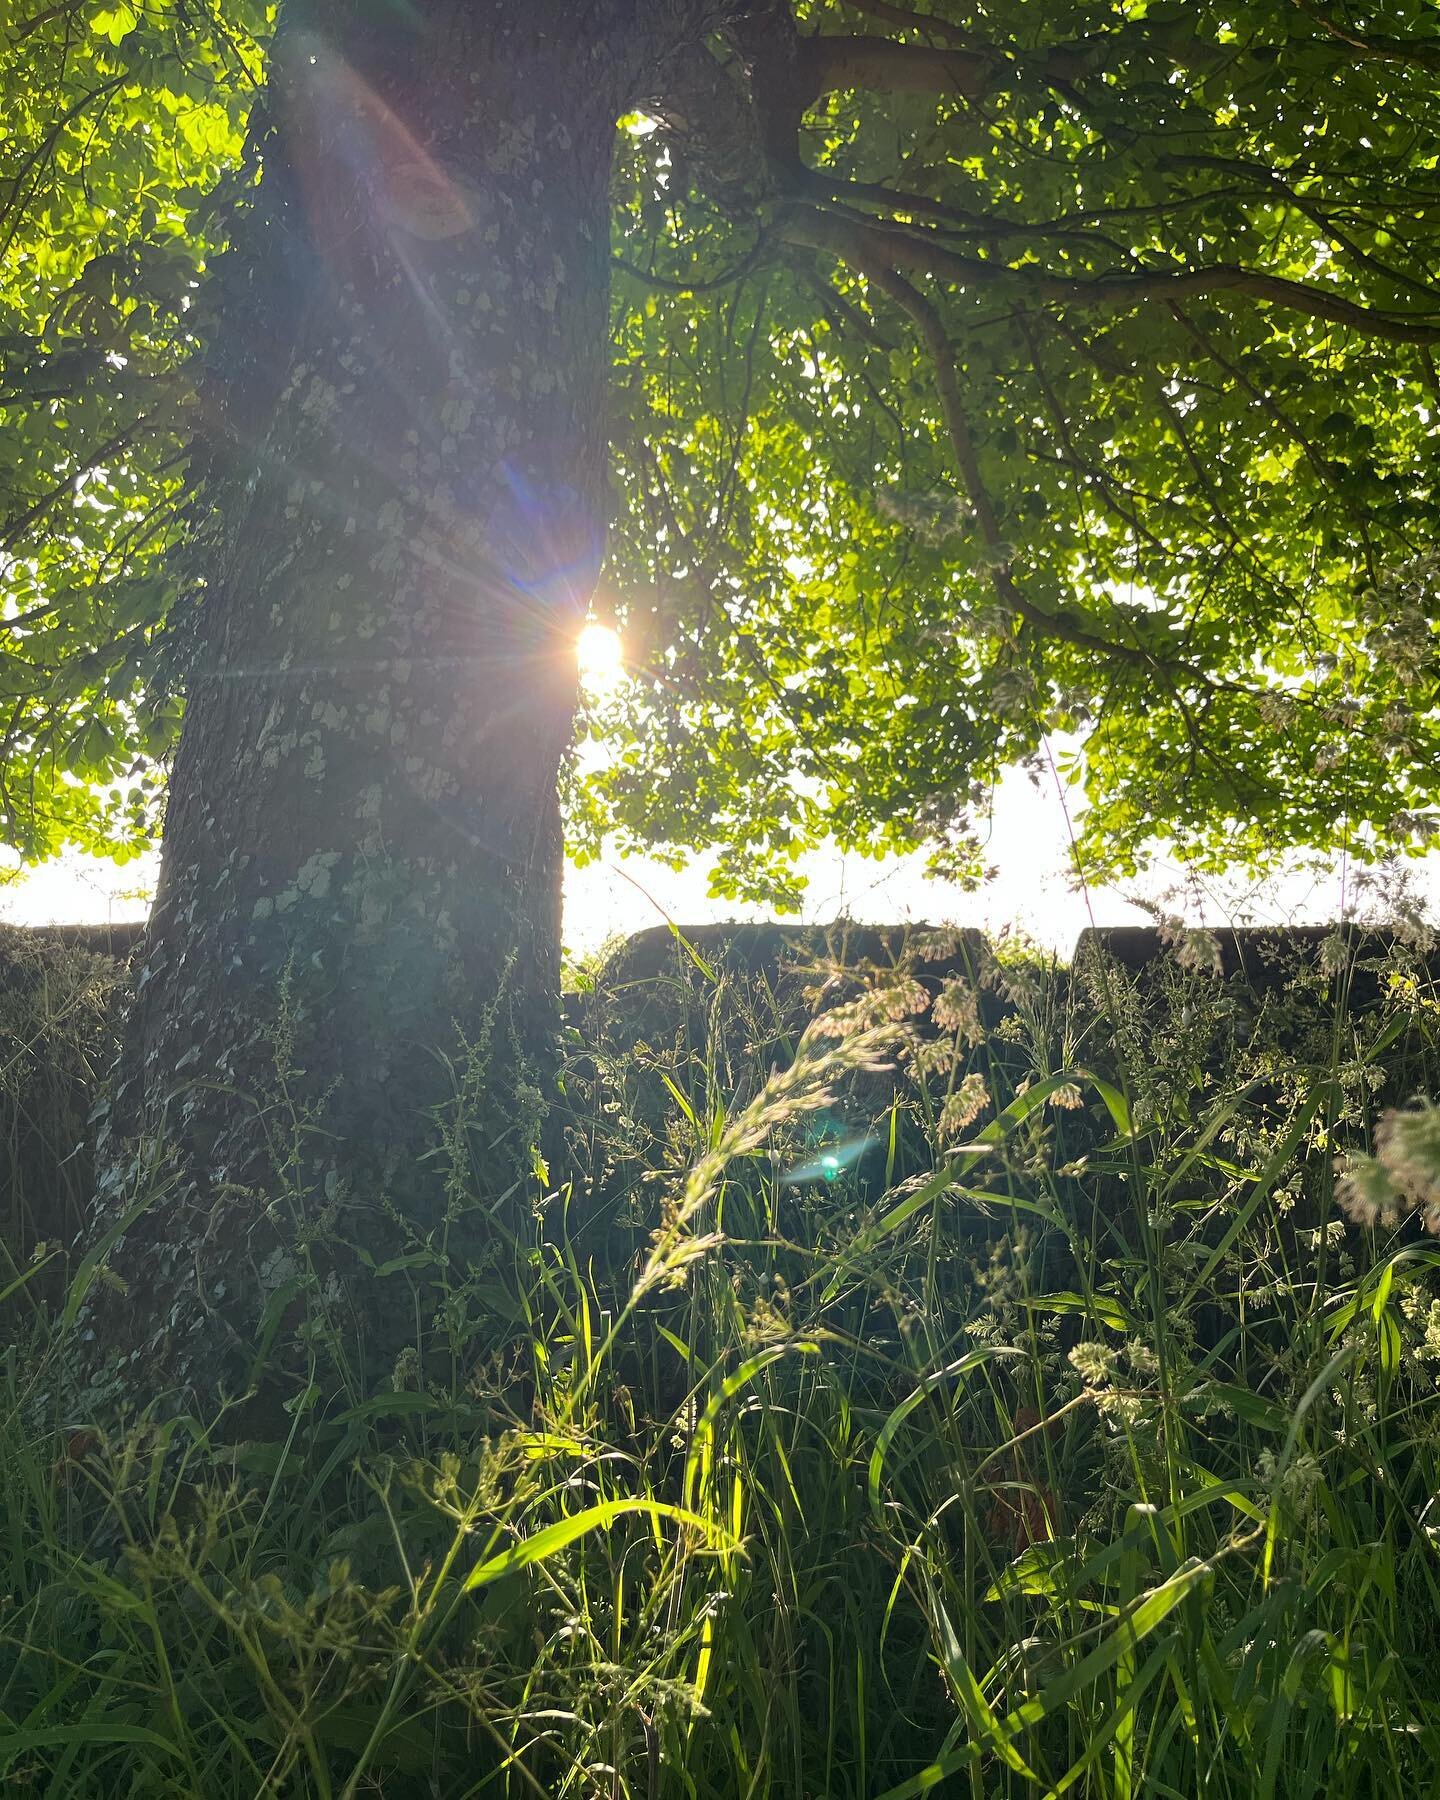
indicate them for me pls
(601, 658)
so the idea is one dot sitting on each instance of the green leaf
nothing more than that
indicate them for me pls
(114, 22)
(600, 1517)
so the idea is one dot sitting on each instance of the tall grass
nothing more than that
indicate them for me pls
(57, 1038)
(1023, 1419)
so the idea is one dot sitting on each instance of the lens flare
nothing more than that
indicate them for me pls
(831, 1163)
(601, 658)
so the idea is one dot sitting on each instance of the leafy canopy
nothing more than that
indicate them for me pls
(120, 120)
(983, 375)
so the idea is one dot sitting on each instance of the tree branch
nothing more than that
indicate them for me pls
(24, 28)
(699, 98)
(14, 529)
(1421, 53)
(883, 66)
(666, 284)
(916, 252)
(833, 190)
(932, 332)
(974, 69)
(906, 20)
(1317, 215)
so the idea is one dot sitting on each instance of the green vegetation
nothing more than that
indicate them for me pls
(952, 1375)
(980, 370)
(1028, 1416)
(119, 122)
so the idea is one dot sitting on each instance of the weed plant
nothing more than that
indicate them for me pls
(986, 1389)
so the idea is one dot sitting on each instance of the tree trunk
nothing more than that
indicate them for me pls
(343, 1025)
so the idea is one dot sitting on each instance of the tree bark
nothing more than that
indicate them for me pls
(344, 1014)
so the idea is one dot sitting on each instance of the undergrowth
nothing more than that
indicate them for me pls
(57, 1039)
(987, 1389)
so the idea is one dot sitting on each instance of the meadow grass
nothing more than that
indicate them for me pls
(981, 1391)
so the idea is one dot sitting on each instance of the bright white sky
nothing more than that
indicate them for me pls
(1028, 843)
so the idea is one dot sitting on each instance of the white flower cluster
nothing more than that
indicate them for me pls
(1398, 613)
(1093, 1362)
(1014, 695)
(964, 1106)
(957, 1009)
(1423, 1314)
(1403, 1176)
(1276, 709)
(1195, 948)
(1298, 1481)
(1334, 953)
(933, 516)
(1422, 825)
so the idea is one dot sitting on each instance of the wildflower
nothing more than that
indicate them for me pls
(957, 1009)
(1333, 953)
(1093, 1362)
(1407, 921)
(900, 997)
(1424, 1316)
(935, 946)
(1144, 1363)
(1013, 695)
(1068, 1097)
(845, 1021)
(964, 1106)
(933, 1056)
(767, 1324)
(1122, 1409)
(1276, 709)
(1199, 951)
(1298, 1482)
(1332, 1234)
(1195, 947)
(1407, 1144)
(1364, 1191)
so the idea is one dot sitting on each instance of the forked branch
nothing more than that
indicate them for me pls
(910, 251)
(931, 328)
